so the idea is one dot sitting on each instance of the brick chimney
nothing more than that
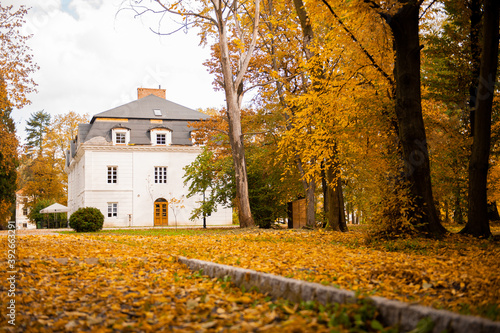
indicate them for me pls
(143, 92)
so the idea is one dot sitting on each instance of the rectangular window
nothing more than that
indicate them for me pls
(112, 209)
(161, 175)
(25, 211)
(112, 174)
(161, 139)
(120, 138)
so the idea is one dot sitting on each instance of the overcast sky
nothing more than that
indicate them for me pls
(93, 57)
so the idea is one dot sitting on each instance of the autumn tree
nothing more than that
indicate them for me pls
(8, 163)
(403, 18)
(42, 175)
(478, 224)
(62, 129)
(450, 68)
(233, 22)
(281, 78)
(212, 173)
(332, 90)
(451, 76)
(17, 63)
(44, 181)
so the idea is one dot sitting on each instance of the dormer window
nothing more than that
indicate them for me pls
(121, 136)
(161, 137)
(157, 112)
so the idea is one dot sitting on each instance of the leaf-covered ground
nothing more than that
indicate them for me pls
(139, 286)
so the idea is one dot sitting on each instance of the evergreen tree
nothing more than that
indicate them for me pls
(37, 127)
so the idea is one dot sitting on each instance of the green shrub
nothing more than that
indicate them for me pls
(86, 219)
(34, 214)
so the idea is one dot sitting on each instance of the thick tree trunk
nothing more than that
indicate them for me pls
(478, 224)
(240, 169)
(233, 96)
(404, 26)
(335, 200)
(475, 51)
(336, 213)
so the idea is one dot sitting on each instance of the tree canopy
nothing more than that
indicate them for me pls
(373, 102)
(16, 66)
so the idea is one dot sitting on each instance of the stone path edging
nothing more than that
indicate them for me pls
(393, 312)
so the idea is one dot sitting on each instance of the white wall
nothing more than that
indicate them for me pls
(21, 219)
(135, 190)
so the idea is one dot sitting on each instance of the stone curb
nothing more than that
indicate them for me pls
(392, 312)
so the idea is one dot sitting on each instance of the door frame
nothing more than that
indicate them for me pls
(160, 212)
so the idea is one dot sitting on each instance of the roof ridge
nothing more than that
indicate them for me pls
(143, 108)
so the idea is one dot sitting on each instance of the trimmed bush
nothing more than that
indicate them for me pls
(87, 219)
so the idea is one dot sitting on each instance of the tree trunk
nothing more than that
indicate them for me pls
(335, 200)
(458, 216)
(240, 169)
(478, 224)
(475, 51)
(310, 201)
(310, 189)
(326, 196)
(404, 25)
(233, 92)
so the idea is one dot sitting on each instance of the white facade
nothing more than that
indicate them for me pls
(125, 179)
(22, 221)
(135, 190)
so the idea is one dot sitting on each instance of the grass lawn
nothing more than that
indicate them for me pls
(143, 288)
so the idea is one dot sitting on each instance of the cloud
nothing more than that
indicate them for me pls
(93, 57)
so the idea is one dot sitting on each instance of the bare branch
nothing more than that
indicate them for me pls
(246, 61)
(256, 133)
(426, 9)
(262, 84)
(365, 52)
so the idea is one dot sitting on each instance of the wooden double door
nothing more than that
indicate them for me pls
(161, 212)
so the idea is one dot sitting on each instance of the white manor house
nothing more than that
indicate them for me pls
(128, 162)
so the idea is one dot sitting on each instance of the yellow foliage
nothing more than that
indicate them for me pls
(138, 281)
(136, 286)
(16, 63)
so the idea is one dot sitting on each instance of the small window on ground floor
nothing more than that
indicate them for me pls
(112, 209)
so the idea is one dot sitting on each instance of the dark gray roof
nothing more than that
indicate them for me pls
(140, 131)
(144, 109)
(139, 113)
(83, 130)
